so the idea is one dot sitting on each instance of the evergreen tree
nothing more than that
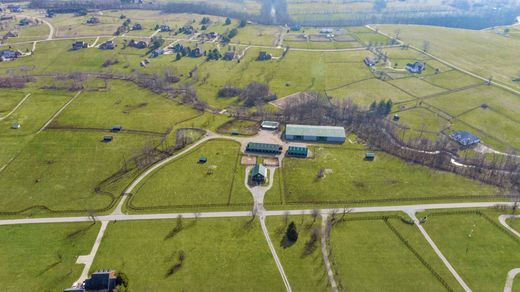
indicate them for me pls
(178, 57)
(373, 106)
(228, 21)
(292, 233)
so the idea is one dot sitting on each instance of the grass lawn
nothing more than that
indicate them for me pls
(416, 87)
(481, 252)
(42, 257)
(304, 267)
(514, 223)
(422, 119)
(60, 170)
(29, 33)
(257, 35)
(452, 79)
(220, 181)
(9, 98)
(349, 177)
(127, 105)
(220, 255)
(369, 256)
(245, 128)
(365, 92)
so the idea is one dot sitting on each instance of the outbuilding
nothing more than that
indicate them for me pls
(203, 159)
(259, 173)
(370, 156)
(108, 138)
(15, 126)
(298, 151)
(116, 128)
(270, 125)
(465, 138)
(327, 134)
(264, 148)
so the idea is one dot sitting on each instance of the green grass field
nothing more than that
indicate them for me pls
(184, 181)
(350, 178)
(368, 256)
(481, 252)
(220, 255)
(42, 257)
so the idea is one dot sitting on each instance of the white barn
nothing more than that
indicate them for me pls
(328, 134)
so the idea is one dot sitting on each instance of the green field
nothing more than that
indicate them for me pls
(480, 251)
(220, 255)
(185, 182)
(349, 178)
(369, 256)
(42, 257)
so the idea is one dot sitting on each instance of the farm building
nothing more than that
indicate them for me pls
(116, 128)
(327, 134)
(229, 55)
(137, 26)
(9, 55)
(464, 138)
(165, 28)
(25, 21)
(264, 56)
(370, 156)
(6, 17)
(10, 34)
(264, 148)
(270, 125)
(15, 126)
(92, 20)
(259, 173)
(79, 45)
(138, 44)
(370, 61)
(107, 138)
(108, 45)
(416, 67)
(298, 151)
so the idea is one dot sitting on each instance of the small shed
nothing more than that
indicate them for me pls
(235, 132)
(264, 148)
(297, 151)
(259, 173)
(107, 138)
(203, 159)
(396, 117)
(15, 126)
(116, 128)
(370, 156)
(465, 138)
(270, 125)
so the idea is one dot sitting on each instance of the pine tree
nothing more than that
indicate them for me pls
(292, 233)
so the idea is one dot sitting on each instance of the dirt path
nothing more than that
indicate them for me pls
(16, 107)
(325, 254)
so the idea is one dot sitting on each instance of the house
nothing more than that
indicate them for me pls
(92, 20)
(117, 128)
(212, 35)
(25, 21)
(229, 55)
(137, 26)
(264, 148)
(270, 125)
(264, 56)
(298, 151)
(416, 67)
(101, 281)
(157, 52)
(6, 17)
(138, 44)
(164, 28)
(78, 45)
(203, 159)
(15, 126)
(108, 45)
(295, 27)
(16, 9)
(328, 134)
(107, 138)
(370, 61)
(465, 138)
(370, 156)
(326, 30)
(9, 55)
(259, 173)
(10, 34)
(195, 53)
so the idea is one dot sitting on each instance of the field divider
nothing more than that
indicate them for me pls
(59, 112)
(16, 107)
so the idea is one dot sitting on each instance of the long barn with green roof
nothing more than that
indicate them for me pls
(327, 134)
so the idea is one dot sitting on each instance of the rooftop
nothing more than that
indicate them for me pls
(318, 131)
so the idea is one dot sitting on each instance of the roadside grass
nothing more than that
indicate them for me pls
(421, 120)
(253, 34)
(368, 256)
(125, 104)
(340, 74)
(29, 33)
(350, 178)
(244, 128)
(514, 223)
(228, 254)
(371, 37)
(9, 98)
(365, 92)
(61, 169)
(42, 257)
(480, 251)
(302, 262)
(452, 79)
(185, 182)
(416, 87)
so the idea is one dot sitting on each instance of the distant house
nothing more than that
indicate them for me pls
(15, 126)
(465, 138)
(212, 34)
(165, 28)
(92, 20)
(104, 281)
(138, 44)
(264, 148)
(416, 67)
(157, 52)
(295, 27)
(25, 21)
(16, 9)
(259, 173)
(108, 45)
(6, 17)
(229, 55)
(9, 55)
(327, 134)
(10, 34)
(264, 56)
(78, 45)
(137, 26)
(370, 156)
(270, 125)
(298, 151)
(370, 61)
(107, 138)
(326, 30)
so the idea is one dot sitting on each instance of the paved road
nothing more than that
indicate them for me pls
(325, 254)
(275, 256)
(510, 278)
(87, 260)
(502, 219)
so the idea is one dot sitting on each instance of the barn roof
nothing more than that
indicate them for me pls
(317, 131)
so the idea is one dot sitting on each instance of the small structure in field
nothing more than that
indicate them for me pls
(229, 55)
(15, 126)
(295, 27)
(10, 34)
(117, 128)
(107, 138)
(465, 138)
(264, 56)
(298, 151)
(264, 148)
(25, 22)
(138, 44)
(203, 159)
(370, 61)
(137, 26)
(396, 117)
(259, 173)
(165, 28)
(327, 134)
(370, 156)
(108, 45)
(92, 20)
(78, 45)
(270, 125)
(416, 67)
(326, 30)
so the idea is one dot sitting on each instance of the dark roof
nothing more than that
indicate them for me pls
(465, 138)
(370, 155)
(264, 147)
(259, 169)
(297, 151)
